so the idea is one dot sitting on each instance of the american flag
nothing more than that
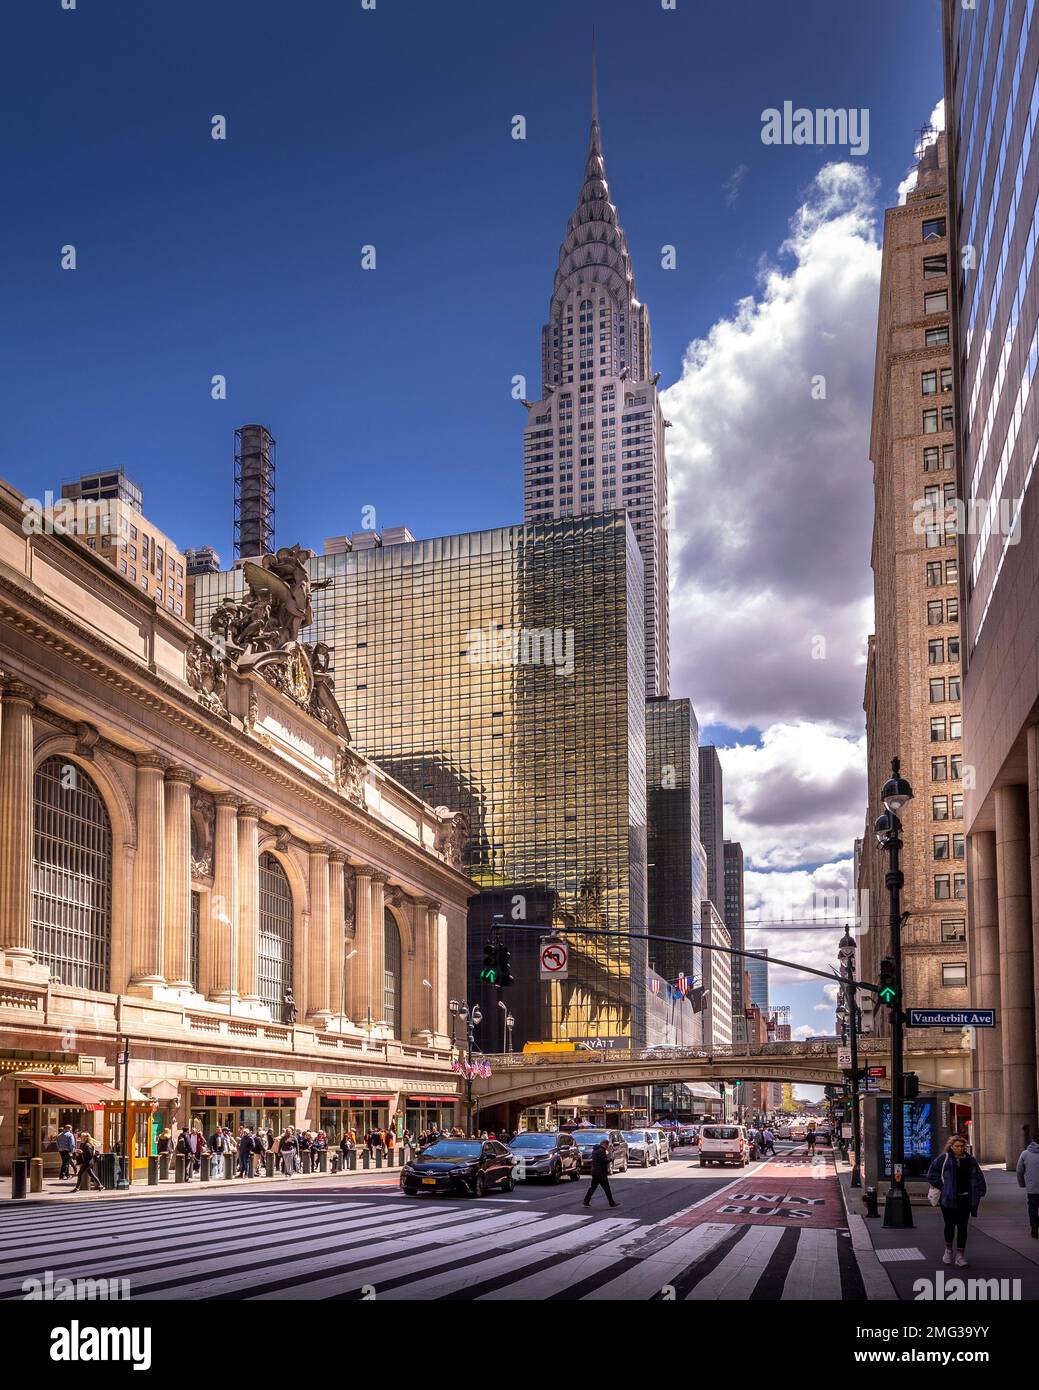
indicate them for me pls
(654, 985)
(682, 984)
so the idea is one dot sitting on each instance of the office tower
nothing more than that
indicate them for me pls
(595, 439)
(757, 969)
(717, 978)
(501, 673)
(673, 830)
(202, 559)
(711, 826)
(104, 510)
(733, 879)
(992, 104)
(912, 692)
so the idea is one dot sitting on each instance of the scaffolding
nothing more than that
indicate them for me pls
(254, 462)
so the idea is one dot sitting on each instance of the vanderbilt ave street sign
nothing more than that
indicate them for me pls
(952, 1018)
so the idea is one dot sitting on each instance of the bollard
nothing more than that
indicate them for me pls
(204, 1167)
(351, 1160)
(230, 1161)
(869, 1201)
(322, 1160)
(378, 1158)
(153, 1170)
(164, 1167)
(179, 1168)
(366, 1160)
(401, 1156)
(306, 1164)
(36, 1175)
(19, 1174)
(268, 1164)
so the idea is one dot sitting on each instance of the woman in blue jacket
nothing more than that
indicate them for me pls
(958, 1177)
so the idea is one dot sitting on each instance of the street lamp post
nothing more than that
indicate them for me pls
(470, 1017)
(846, 955)
(896, 794)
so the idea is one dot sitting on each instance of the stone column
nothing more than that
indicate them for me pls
(1016, 971)
(16, 814)
(360, 966)
(319, 946)
(377, 956)
(221, 929)
(147, 941)
(436, 969)
(178, 877)
(337, 933)
(248, 902)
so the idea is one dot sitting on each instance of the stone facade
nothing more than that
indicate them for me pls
(215, 790)
(912, 694)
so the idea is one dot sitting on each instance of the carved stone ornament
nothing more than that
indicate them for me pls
(87, 739)
(452, 835)
(350, 776)
(207, 676)
(348, 902)
(261, 633)
(203, 829)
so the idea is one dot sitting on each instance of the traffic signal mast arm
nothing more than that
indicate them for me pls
(827, 975)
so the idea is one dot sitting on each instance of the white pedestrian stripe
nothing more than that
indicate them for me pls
(814, 1271)
(660, 1270)
(742, 1267)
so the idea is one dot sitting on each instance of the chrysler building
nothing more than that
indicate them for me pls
(595, 441)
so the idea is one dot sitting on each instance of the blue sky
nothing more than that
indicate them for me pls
(391, 388)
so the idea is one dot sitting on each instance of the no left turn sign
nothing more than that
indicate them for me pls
(555, 960)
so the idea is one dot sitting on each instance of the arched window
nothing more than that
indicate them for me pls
(71, 876)
(391, 997)
(275, 959)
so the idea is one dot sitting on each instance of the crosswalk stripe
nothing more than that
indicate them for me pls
(659, 1271)
(814, 1272)
(742, 1267)
(443, 1285)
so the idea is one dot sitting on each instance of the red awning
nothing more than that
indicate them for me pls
(89, 1095)
(441, 1100)
(278, 1092)
(350, 1095)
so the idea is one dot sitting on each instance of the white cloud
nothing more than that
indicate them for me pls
(772, 489)
(937, 124)
(802, 1031)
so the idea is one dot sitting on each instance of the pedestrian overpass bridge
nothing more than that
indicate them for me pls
(534, 1078)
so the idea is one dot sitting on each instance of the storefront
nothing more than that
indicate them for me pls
(46, 1104)
(421, 1112)
(343, 1110)
(263, 1107)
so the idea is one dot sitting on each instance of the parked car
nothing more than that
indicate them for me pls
(663, 1145)
(466, 1166)
(642, 1147)
(688, 1134)
(549, 1156)
(724, 1144)
(587, 1139)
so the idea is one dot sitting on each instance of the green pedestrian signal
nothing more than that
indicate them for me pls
(888, 986)
(490, 963)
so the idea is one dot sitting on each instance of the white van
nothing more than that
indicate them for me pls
(724, 1144)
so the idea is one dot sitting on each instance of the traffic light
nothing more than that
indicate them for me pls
(490, 963)
(505, 976)
(910, 1085)
(888, 989)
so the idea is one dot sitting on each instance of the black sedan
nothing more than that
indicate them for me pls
(468, 1166)
(549, 1156)
(587, 1139)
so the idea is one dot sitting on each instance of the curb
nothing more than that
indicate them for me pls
(140, 1191)
(875, 1277)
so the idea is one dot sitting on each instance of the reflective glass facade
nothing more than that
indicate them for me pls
(673, 830)
(733, 915)
(501, 673)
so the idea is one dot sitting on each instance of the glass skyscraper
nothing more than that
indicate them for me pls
(501, 673)
(673, 853)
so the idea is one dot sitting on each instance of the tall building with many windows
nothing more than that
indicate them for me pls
(712, 833)
(734, 913)
(595, 439)
(912, 694)
(501, 673)
(992, 105)
(673, 831)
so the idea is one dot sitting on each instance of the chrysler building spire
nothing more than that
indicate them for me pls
(599, 399)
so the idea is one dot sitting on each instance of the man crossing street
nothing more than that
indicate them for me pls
(601, 1173)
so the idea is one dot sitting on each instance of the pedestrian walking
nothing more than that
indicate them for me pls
(601, 1173)
(86, 1176)
(810, 1141)
(960, 1185)
(768, 1140)
(1028, 1177)
(287, 1150)
(184, 1146)
(66, 1145)
(245, 1153)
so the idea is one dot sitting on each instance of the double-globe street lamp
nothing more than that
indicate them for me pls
(848, 1014)
(896, 795)
(470, 1017)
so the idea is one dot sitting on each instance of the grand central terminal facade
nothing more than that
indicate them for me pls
(198, 872)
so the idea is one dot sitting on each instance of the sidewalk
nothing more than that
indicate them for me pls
(56, 1191)
(998, 1242)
